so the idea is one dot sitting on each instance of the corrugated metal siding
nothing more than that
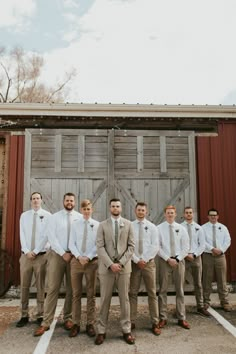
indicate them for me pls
(15, 200)
(216, 178)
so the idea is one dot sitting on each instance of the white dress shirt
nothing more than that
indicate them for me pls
(26, 226)
(76, 238)
(198, 238)
(119, 220)
(150, 241)
(57, 230)
(181, 240)
(223, 239)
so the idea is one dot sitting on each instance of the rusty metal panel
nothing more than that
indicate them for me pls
(15, 200)
(216, 177)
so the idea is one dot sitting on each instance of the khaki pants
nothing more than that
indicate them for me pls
(29, 267)
(195, 267)
(218, 265)
(57, 268)
(149, 276)
(78, 271)
(107, 283)
(178, 277)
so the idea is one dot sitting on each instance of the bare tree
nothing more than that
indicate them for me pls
(20, 79)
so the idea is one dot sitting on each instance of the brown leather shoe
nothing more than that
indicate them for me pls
(74, 331)
(162, 323)
(40, 331)
(203, 312)
(68, 325)
(90, 330)
(129, 339)
(100, 338)
(227, 307)
(132, 325)
(184, 324)
(156, 329)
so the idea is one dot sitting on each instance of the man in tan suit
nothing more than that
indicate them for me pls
(115, 247)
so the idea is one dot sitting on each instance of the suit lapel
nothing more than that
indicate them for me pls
(110, 230)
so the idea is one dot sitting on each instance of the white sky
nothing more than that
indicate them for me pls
(132, 51)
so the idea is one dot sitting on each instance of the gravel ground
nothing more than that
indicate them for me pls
(205, 336)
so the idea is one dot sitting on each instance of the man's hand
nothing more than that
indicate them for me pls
(216, 252)
(67, 257)
(83, 260)
(31, 255)
(115, 267)
(190, 257)
(172, 262)
(141, 264)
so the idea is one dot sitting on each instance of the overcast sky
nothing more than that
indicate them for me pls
(132, 51)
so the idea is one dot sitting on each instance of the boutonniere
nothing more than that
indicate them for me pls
(92, 226)
(121, 224)
(41, 217)
(177, 231)
(146, 228)
(196, 229)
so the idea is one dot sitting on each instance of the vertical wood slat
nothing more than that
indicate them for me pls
(27, 168)
(111, 165)
(192, 173)
(163, 154)
(139, 153)
(81, 152)
(58, 152)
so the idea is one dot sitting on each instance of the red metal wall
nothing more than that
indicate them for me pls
(216, 178)
(15, 200)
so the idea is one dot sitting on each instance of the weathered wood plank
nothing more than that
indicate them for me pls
(139, 153)
(163, 163)
(81, 153)
(58, 151)
(111, 167)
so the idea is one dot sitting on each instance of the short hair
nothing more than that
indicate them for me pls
(143, 204)
(68, 195)
(169, 207)
(36, 193)
(114, 200)
(188, 207)
(84, 203)
(213, 209)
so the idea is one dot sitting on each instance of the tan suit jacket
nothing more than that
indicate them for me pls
(106, 246)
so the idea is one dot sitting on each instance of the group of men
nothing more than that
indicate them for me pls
(74, 245)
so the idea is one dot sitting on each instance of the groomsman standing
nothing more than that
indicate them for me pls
(174, 247)
(33, 259)
(59, 263)
(84, 264)
(218, 240)
(144, 266)
(115, 247)
(193, 261)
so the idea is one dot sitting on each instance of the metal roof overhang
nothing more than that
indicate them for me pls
(201, 119)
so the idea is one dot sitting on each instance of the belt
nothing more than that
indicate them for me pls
(68, 251)
(41, 253)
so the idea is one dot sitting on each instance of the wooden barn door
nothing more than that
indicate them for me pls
(157, 167)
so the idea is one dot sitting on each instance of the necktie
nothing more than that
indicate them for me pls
(33, 232)
(85, 234)
(68, 228)
(140, 239)
(190, 235)
(116, 237)
(214, 235)
(172, 242)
